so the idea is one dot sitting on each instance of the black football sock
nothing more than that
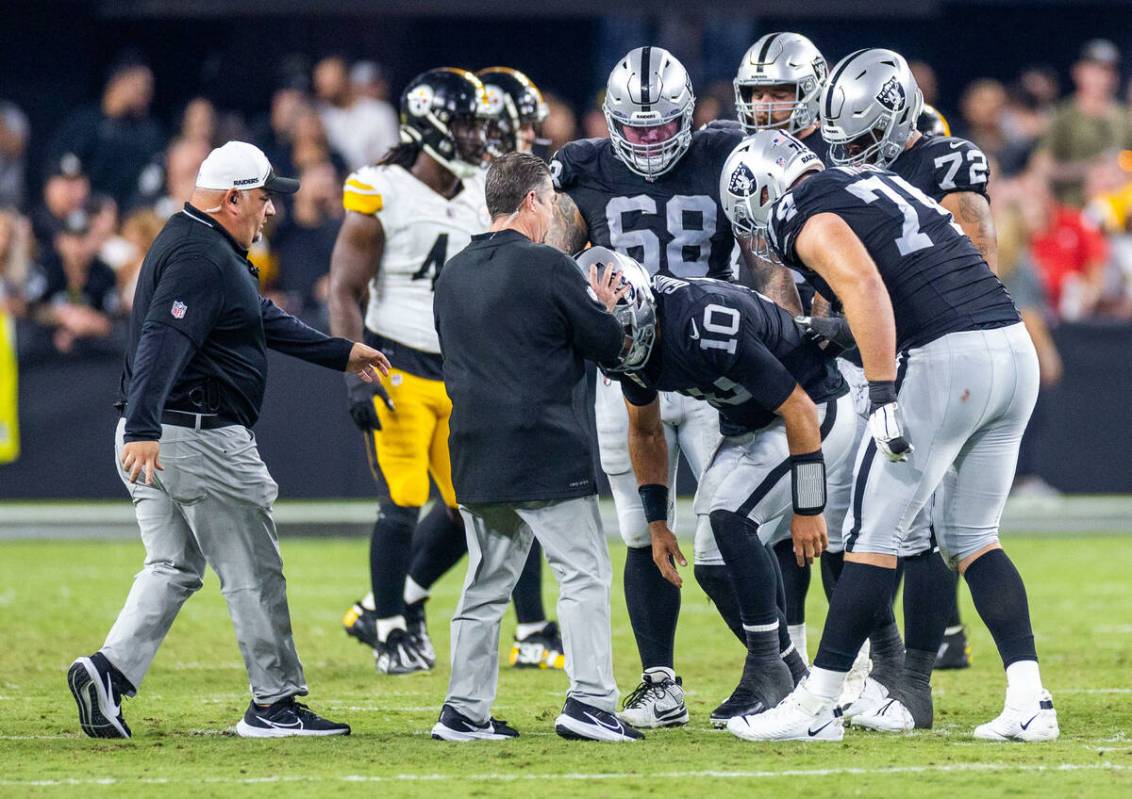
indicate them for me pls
(527, 594)
(954, 622)
(389, 550)
(784, 642)
(915, 688)
(929, 592)
(886, 650)
(798, 668)
(438, 544)
(654, 608)
(751, 569)
(795, 581)
(716, 584)
(861, 604)
(831, 565)
(1000, 598)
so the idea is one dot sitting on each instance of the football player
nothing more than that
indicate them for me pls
(650, 191)
(965, 382)
(786, 419)
(405, 216)
(516, 109)
(862, 99)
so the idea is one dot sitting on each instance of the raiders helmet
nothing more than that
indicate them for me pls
(869, 108)
(514, 102)
(759, 171)
(445, 112)
(648, 109)
(636, 311)
(780, 59)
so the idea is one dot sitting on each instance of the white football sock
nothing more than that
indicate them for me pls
(1023, 683)
(414, 591)
(523, 631)
(367, 602)
(798, 638)
(825, 684)
(386, 626)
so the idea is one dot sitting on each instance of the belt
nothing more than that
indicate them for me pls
(196, 421)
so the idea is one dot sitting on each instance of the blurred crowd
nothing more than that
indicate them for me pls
(74, 228)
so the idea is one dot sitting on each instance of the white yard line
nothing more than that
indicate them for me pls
(580, 777)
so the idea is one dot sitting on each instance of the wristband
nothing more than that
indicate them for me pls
(807, 483)
(882, 392)
(654, 498)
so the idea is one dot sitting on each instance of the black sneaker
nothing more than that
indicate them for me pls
(98, 687)
(285, 718)
(455, 726)
(361, 624)
(581, 722)
(541, 650)
(418, 631)
(954, 652)
(397, 654)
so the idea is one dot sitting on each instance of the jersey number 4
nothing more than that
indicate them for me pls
(434, 261)
(688, 248)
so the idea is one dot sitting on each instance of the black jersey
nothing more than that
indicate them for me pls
(732, 347)
(940, 165)
(671, 225)
(937, 280)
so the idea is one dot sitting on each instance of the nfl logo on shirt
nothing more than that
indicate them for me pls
(178, 309)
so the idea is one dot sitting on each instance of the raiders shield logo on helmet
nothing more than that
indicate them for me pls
(742, 181)
(891, 95)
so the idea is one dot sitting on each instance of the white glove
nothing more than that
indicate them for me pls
(887, 429)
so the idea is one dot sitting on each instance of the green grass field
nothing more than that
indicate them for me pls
(58, 598)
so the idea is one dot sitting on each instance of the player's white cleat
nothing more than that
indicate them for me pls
(657, 702)
(1032, 721)
(889, 716)
(871, 697)
(799, 717)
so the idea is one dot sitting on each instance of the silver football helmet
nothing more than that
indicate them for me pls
(869, 108)
(648, 109)
(636, 311)
(774, 60)
(760, 170)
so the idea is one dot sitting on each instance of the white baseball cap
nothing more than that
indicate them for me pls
(239, 165)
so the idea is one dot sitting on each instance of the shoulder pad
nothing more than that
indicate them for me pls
(956, 164)
(573, 160)
(362, 192)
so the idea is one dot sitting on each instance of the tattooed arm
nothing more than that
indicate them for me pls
(972, 211)
(772, 279)
(568, 231)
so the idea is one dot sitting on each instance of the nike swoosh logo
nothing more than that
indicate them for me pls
(954, 145)
(616, 727)
(1028, 723)
(292, 725)
(116, 710)
(813, 732)
(695, 334)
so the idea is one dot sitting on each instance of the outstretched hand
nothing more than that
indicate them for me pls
(609, 288)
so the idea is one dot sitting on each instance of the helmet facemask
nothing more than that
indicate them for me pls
(651, 147)
(801, 115)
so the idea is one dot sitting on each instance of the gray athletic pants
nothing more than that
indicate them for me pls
(499, 537)
(211, 504)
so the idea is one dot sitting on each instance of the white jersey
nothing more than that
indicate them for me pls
(422, 231)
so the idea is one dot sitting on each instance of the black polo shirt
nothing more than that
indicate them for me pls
(199, 331)
(516, 323)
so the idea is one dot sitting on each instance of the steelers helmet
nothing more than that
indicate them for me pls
(932, 123)
(445, 112)
(513, 101)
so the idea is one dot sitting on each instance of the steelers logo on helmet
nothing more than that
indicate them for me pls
(420, 100)
(742, 181)
(493, 99)
(891, 95)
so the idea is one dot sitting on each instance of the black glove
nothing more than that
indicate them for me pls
(360, 395)
(832, 329)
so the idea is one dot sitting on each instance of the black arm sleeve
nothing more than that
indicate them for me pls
(596, 334)
(635, 393)
(284, 333)
(163, 352)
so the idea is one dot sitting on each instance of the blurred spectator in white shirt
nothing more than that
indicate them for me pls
(13, 145)
(360, 128)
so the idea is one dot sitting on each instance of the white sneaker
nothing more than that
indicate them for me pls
(889, 716)
(871, 697)
(799, 717)
(657, 702)
(1034, 721)
(855, 680)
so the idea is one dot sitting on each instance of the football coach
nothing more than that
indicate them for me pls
(516, 320)
(191, 390)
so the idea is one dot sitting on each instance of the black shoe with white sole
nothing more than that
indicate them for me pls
(581, 722)
(285, 718)
(398, 654)
(455, 726)
(98, 690)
